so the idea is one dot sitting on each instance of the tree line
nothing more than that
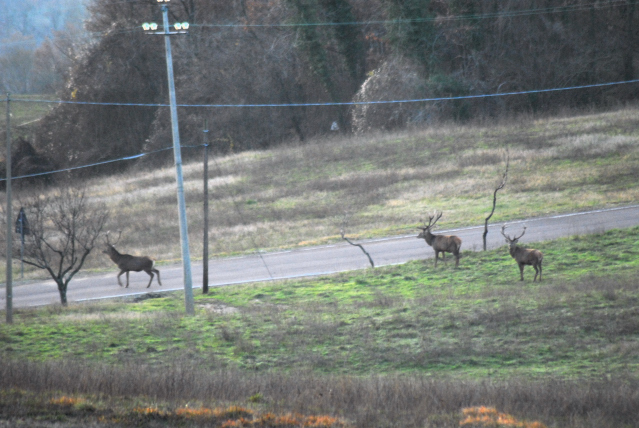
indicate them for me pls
(332, 51)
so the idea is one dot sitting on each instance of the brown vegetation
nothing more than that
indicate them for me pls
(407, 401)
(454, 49)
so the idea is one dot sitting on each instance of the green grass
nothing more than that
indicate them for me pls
(24, 115)
(474, 321)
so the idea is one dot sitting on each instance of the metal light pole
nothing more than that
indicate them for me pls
(9, 272)
(184, 235)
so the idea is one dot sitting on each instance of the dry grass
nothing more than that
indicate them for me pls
(297, 195)
(377, 401)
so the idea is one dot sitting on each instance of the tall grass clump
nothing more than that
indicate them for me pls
(375, 401)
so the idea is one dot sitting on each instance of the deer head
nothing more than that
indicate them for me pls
(428, 228)
(512, 242)
(110, 246)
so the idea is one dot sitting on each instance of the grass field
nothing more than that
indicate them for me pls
(398, 346)
(385, 184)
(476, 327)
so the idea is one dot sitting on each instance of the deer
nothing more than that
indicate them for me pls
(524, 256)
(440, 243)
(127, 263)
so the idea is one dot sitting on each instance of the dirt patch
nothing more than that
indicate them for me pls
(219, 308)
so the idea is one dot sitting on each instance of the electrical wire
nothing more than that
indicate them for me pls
(350, 103)
(138, 156)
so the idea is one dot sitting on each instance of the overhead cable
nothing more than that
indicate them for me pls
(349, 103)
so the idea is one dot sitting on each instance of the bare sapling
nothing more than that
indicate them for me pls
(345, 238)
(440, 243)
(500, 186)
(524, 256)
(128, 263)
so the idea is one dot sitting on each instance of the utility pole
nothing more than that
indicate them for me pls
(184, 234)
(205, 245)
(9, 272)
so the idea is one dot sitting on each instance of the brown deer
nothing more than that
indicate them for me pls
(127, 263)
(523, 256)
(440, 243)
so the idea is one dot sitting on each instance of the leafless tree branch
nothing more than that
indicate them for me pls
(64, 227)
(497, 189)
(361, 247)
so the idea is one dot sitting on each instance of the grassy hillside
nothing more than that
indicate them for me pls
(381, 184)
(24, 116)
(470, 336)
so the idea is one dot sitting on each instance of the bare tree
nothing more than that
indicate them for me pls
(361, 247)
(64, 227)
(501, 185)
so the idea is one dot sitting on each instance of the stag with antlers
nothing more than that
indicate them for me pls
(440, 243)
(128, 263)
(523, 256)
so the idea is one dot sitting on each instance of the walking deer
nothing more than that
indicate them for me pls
(128, 263)
(523, 256)
(440, 243)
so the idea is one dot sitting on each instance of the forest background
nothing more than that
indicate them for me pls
(240, 52)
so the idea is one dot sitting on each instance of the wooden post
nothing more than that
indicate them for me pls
(205, 247)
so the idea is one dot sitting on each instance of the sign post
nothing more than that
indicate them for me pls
(22, 227)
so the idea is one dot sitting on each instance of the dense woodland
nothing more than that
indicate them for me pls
(31, 61)
(330, 51)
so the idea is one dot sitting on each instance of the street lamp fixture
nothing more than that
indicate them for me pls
(180, 28)
(150, 26)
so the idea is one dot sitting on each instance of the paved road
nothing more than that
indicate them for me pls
(322, 260)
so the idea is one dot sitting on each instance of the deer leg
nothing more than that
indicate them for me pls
(119, 282)
(436, 257)
(158, 274)
(537, 271)
(127, 279)
(521, 271)
(150, 280)
(456, 259)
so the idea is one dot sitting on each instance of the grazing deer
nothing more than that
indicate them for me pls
(440, 243)
(523, 256)
(127, 263)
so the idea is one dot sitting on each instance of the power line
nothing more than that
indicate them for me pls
(507, 14)
(350, 103)
(90, 165)
(286, 105)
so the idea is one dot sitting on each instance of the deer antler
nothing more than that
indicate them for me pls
(431, 223)
(107, 238)
(522, 233)
(503, 230)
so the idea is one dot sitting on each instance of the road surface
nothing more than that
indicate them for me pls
(320, 260)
